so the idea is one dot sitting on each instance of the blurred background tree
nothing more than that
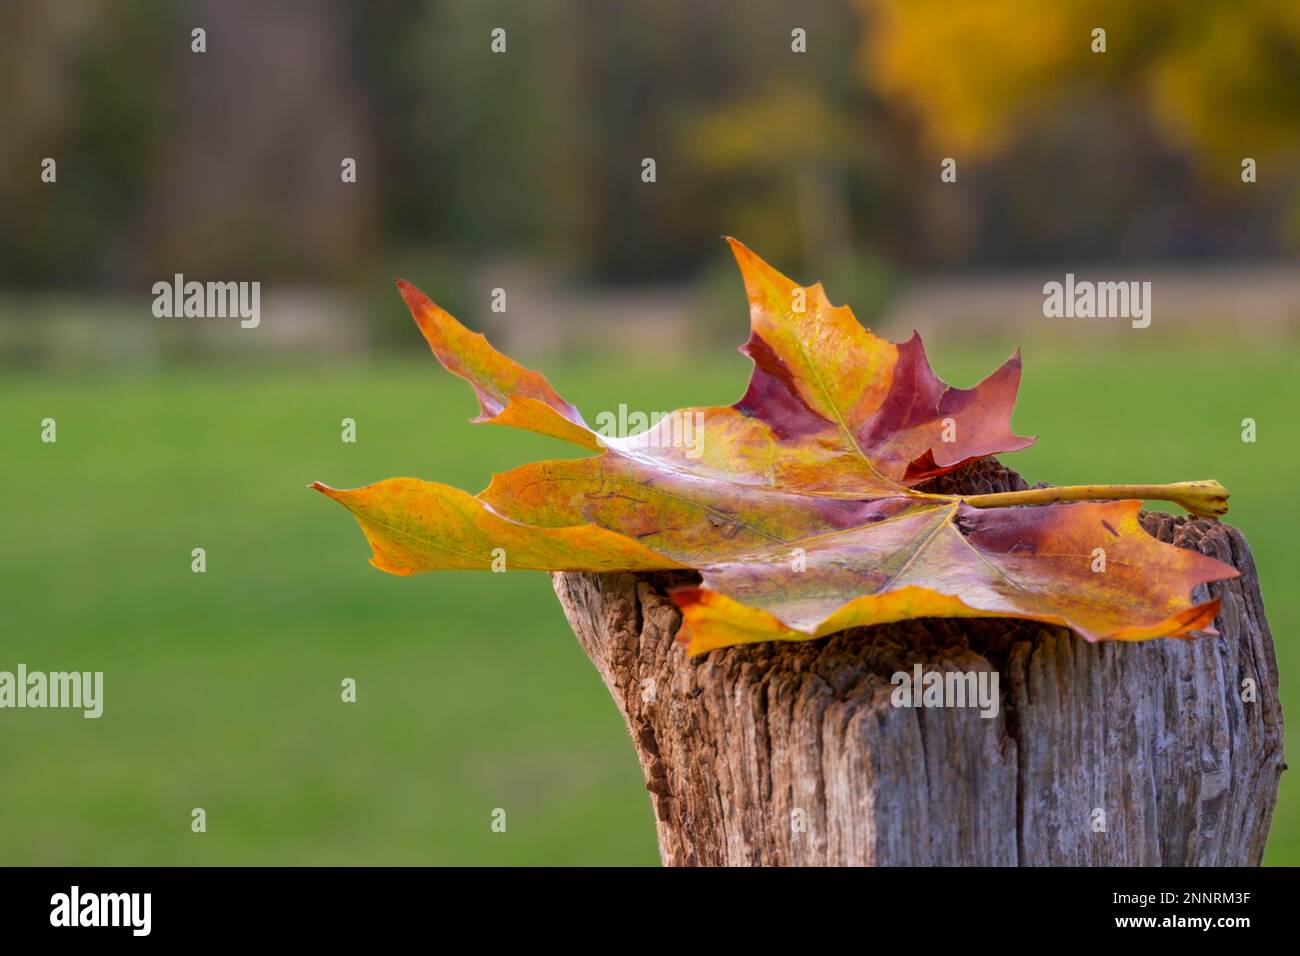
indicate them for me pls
(1217, 77)
(228, 161)
(1164, 117)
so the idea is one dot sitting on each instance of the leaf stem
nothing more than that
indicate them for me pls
(1208, 499)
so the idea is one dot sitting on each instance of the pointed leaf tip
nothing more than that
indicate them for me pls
(333, 493)
(742, 253)
(507, 392)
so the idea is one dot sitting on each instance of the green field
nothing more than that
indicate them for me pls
(222, 689)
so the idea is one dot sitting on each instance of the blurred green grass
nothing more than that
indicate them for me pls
(222, 689)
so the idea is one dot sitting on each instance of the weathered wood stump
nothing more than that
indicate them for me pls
(792, 753)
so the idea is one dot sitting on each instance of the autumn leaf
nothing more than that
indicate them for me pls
(797, 504)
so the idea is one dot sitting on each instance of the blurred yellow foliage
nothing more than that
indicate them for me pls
(746, 133)
(1221, 79)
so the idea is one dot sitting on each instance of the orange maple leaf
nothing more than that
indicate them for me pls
(798, 505)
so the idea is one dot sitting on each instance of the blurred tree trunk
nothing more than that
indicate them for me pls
(792, 754)
(825, 233)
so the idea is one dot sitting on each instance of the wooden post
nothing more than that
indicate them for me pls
(1165, 752)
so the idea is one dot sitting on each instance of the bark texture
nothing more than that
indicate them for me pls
(1105, 754)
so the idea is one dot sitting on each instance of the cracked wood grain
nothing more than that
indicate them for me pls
(792, 754)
